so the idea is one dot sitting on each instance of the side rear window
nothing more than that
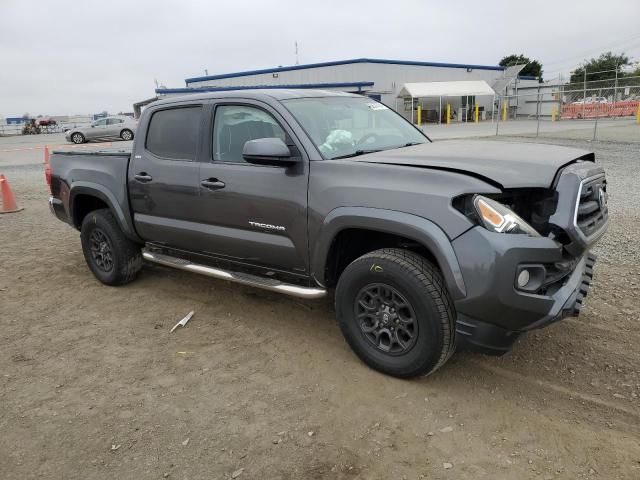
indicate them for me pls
(173, 133)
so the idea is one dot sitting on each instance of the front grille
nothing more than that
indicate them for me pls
(591, 209)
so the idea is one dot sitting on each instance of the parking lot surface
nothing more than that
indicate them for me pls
(258, 385)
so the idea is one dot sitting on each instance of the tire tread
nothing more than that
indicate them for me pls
(432, 282)
(124, 247)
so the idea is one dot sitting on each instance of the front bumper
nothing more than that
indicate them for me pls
(495, 313)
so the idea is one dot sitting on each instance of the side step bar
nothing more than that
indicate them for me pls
(238, 277)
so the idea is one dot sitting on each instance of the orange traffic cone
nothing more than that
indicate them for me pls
(9, 204)
(46, 154)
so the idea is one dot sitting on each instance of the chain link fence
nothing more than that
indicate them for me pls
(606, 110)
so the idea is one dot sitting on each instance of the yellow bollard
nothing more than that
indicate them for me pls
(504, 111)
(419, 114)
(448, 113)
(553, 113)
(638, 114)
(477, 113)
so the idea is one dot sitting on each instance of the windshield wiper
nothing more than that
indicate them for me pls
(357, 153)
(411, 144)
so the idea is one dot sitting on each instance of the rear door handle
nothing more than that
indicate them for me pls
(143, 177)
(212, 184)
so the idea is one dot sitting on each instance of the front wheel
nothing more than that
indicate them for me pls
(111, 257)
(395, 312)
(126, 134)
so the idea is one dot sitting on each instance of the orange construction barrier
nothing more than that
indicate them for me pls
(592, 110)
(9, 204)
(46, 154)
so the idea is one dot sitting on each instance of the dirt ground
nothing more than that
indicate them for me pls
(258, 385)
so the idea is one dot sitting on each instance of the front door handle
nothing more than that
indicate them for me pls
(212, 184)
(143, 177)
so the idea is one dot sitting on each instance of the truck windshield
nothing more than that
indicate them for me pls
(344, 127)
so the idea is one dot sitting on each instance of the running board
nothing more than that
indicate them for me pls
(238, 277)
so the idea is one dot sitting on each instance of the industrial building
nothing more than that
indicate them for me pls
(384, 80)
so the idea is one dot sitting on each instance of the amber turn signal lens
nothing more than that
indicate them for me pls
(488, 214)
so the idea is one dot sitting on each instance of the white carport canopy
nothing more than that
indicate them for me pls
(464, 88)
(446, 89)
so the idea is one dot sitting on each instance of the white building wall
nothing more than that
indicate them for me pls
(328, 74)
(527, 100)
(388, 81)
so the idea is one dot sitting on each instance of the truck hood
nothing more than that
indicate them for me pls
(505, 164)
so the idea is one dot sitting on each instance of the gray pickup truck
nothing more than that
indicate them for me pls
(424, 245)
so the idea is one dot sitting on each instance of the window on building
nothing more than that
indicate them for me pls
(173, 133)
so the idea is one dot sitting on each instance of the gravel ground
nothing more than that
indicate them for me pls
(259, 385)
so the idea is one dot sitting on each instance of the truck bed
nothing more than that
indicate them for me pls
(104, 171)
(107, 152)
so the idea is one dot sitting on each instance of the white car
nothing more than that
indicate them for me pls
(109, 128)
(591, 100)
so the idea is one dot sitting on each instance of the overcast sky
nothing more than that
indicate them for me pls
(86, 56)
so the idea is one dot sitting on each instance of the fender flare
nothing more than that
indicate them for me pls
(104, 194)
(416, 228)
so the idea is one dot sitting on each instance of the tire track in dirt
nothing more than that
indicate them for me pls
(567, 392)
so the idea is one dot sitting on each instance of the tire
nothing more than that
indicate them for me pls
(126, 134)
(422, 344)
(111, 257)
(78, 138)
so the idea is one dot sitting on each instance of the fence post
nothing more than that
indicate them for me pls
(538, 112)
(412, 109)
(498, 111)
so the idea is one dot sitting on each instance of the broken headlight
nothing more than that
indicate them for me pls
(498, 218)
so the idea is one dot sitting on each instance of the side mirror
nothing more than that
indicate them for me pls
(267, 151)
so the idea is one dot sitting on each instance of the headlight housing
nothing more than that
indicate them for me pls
(500, 219)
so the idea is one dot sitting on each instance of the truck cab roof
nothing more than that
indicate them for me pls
(256, 94)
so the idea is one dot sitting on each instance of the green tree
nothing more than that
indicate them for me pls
(533, 67)
(601, 68)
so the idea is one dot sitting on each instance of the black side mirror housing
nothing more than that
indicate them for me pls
(268, 151)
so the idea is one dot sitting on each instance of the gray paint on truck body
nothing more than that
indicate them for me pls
(536, 164)
(406, 192)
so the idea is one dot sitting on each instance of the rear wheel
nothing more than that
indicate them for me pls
(77, 138)
(126, 134)
(395, 312)
(111, 257)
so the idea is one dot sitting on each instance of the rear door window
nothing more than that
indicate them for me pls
(173, 133)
